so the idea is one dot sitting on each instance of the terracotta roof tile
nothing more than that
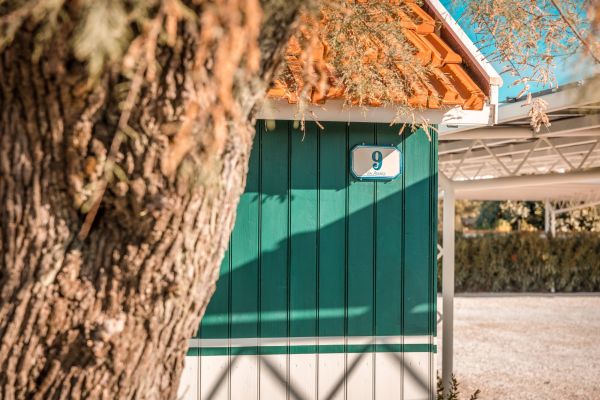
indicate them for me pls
(449, 84)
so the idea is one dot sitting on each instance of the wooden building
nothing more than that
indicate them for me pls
(328, 289)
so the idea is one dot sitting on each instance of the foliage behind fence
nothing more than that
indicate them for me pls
(527, 262)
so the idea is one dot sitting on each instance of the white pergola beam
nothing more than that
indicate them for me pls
(463, 145)
(490, 169)
(496, 132)
(571, 126)
(577, 207)
(566, 146)
(573, 184)
(589, 176)
(546, 159)
(574, 96)
(510, 146)
(556, 193)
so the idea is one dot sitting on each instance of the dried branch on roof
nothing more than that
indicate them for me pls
(374, 53)
(357, 51)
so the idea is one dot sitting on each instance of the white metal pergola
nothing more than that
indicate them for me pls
(560, 165)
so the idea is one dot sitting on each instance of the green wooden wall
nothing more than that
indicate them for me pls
(315, 252)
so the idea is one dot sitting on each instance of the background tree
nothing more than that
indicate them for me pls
(582, 220)
(125, 132)
(505, 216)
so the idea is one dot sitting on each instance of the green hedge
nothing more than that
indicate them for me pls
(527, 262)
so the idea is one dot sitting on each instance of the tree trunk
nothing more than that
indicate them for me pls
(111, 239)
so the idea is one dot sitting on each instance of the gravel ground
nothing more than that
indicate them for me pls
(528, 347)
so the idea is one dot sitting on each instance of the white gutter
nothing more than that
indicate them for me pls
(576, 95)
(335, 110)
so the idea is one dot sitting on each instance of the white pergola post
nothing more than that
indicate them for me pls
(448, 284)
(547, 217)
(552, 221)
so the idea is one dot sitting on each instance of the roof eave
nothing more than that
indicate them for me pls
(467, 49)
(336, 110)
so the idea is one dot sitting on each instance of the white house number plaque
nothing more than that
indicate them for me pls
(375, 162)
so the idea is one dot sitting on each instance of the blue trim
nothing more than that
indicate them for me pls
(374, 178)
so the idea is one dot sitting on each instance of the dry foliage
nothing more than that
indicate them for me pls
(366, 50)
(359, 48)
(537, 113)
(531, 37)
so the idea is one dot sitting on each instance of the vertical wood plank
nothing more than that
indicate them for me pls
(188, 384)
(417, 240)
(215, 376)
(417, 380)
(417, 259)
(433, 265)
(360, 316)
(303, 257)
(332, 254)
(388, 270)
(245, 279)
(274, 256)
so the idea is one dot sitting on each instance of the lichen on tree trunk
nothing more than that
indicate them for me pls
(108, 314)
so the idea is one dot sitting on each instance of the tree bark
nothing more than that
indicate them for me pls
(108, 313)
